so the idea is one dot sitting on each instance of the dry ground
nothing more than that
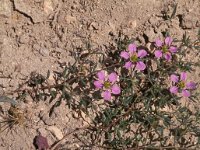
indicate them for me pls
(38, 35)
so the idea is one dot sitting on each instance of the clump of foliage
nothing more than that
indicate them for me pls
(137, 96)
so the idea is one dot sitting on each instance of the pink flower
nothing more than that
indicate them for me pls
(179, 84)
(107, 83)
(165, 49)
(133, 57)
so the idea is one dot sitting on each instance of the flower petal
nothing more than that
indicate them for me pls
(173, 49)
(168, 41)
(140, 66)
(168, 56)
(132, 48)
(106, 95)
(98, 84)
(183, 76)
(116, 89)
(191, 85)
(142, 53)
(174, 78)
(158, 53)
(174, 89)
(158, 43)
(128, 65)
(186, 93)
(112, 77)
(101, 75)
(124, 55)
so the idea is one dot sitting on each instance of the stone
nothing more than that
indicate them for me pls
(36, 47)
(5, 8)
(44, 51)
(42, 131)
(47, 120)
(150, 34)
(24, 39)
(132, 24)
(28, 99)
(150, 46)
(32, 12)
(112, 26)
(56, 132)
(48, 6)
(189, 21)
(70, 19)
(75, 115)
(93, 26)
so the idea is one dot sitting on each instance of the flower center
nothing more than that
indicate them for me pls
(107, 84)
(181, 84)
(134, 58)
(164, 49)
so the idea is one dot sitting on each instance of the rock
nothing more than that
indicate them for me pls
(189, 21)
(150, 46)
(28, 99)
(86, 119)
(70, 19)
(112, 26)
(36, 47)
(44, 51)
(150, 34)
(38, 1)
(5, 8)
(154, 65)
(132, 24)
(32, 12)
(41, 142)
(56, 132)
(93, 26)
(75, 115)
(47, 120)
(42, 131)
(48, 6)
(24, 39)
(162, 28)
(51, 79)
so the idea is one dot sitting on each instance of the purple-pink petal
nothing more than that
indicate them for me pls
(132, 48)
(173, 49)
(174, 78)
(174, 89)
(112, 77)
(186, 93)
(142, 53)
(106, 95)
(158, 53)
(168, 41)
(140, 66)
(128, 65)
(124, 55)
(98, 84)
(183, 76)
(168, 56)
(191, 85)
(116, 89)
(158, 43)
(101, 75)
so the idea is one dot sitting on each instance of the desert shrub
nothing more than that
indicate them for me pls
(136, 96)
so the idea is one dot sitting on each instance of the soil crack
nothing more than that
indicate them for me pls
(21, 12)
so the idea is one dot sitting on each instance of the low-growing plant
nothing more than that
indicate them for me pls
(137, 97)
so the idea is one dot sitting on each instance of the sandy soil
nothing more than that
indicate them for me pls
(39, 35)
